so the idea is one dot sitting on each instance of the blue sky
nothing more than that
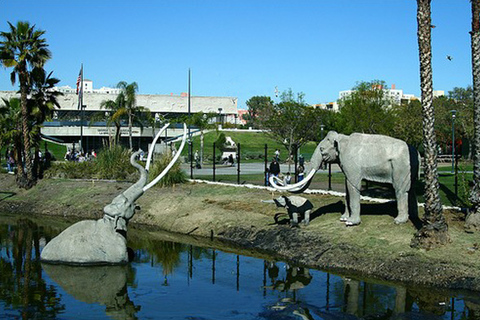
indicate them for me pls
(246, 48)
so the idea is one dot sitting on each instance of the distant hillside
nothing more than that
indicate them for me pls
(252, 145)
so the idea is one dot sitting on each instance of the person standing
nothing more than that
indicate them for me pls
(300, 171)
(277, 154)
(274, 167)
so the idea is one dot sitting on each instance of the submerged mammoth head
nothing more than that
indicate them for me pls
(120, 206)
(329, 147)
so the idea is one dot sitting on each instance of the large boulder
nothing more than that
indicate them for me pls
(87, 242)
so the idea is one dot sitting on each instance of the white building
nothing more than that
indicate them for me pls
(68, 126)
(394, 94)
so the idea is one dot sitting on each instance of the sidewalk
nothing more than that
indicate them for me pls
(245, 168)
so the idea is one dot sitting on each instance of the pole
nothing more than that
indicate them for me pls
(81, 109)
(295, 157)
(456, 178)
(453, 139)
(238, 163)
(214, 162)
(189, 132)
(266, 165)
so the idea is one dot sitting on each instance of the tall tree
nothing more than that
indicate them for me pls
(255, 105)
(112, 116)
(24, 49)
(11, 129)
(434, 231)
(131, 109)
(42, 102)
(367, 109)
(123, 107)
(289, 122)
(473, 219)
(408, 122)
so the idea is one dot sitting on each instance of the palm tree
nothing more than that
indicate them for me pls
(124, 106)
(41, 104)
(11, 129)
(435, 229)
(473, 219)
(131, 109)
(23, 49)
(113, 116)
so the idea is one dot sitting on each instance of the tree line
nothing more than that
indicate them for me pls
(368, 109)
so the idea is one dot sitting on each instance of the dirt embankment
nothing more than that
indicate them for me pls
(377, 248)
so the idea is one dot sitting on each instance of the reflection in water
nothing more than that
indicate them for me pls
(22, 286)
(178, 281)
(105, 285)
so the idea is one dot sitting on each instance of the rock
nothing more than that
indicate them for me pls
(87, 242)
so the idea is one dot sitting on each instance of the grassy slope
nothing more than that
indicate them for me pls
(251, 143)
(200, 209)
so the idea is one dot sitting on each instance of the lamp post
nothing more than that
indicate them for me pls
(220, 119)
(454, 112)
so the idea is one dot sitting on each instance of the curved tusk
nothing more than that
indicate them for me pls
(292, 187)
(152, 146)
(170, 165)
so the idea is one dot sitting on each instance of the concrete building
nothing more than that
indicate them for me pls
(396, 95)
(68, 127)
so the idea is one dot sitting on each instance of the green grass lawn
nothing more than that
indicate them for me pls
(321, 181)
(57, 150)
(252, 146)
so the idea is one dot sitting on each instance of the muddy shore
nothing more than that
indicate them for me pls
(375, 249)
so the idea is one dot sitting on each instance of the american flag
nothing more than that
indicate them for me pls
(79, 80)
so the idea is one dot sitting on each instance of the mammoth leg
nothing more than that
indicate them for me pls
(402, 206)
(294, 221)
(401, 184)
(412, 204)
(306, 219)
(346, 213)
(353, 202)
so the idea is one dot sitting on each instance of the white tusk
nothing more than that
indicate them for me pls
(152, 146)
(292, 187)
(175, 158)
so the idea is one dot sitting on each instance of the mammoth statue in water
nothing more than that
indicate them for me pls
(370, 157)
(104, 241)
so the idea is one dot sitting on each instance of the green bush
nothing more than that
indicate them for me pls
(114, 163)
(464, 187)
(71, 170)
(111, 163)
(174, 176)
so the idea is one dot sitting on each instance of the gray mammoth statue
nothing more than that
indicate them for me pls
(370, 157)
(104, 241)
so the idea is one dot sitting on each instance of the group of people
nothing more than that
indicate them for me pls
(10, 160)
(76, 155)
(274, 169)
(40, 161)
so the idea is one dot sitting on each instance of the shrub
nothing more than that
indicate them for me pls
(71, 170)
(114, 163)
(174, 176)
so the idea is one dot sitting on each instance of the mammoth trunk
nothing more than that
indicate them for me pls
(136, 190)
(316, 161)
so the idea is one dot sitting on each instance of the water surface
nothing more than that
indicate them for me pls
(173, 280)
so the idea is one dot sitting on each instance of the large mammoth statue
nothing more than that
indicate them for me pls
(104, 241)
(368, 157)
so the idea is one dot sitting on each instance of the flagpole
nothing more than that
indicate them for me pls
(190, 151)
(81, 110)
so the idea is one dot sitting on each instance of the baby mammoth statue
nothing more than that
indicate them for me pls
(297, 208)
